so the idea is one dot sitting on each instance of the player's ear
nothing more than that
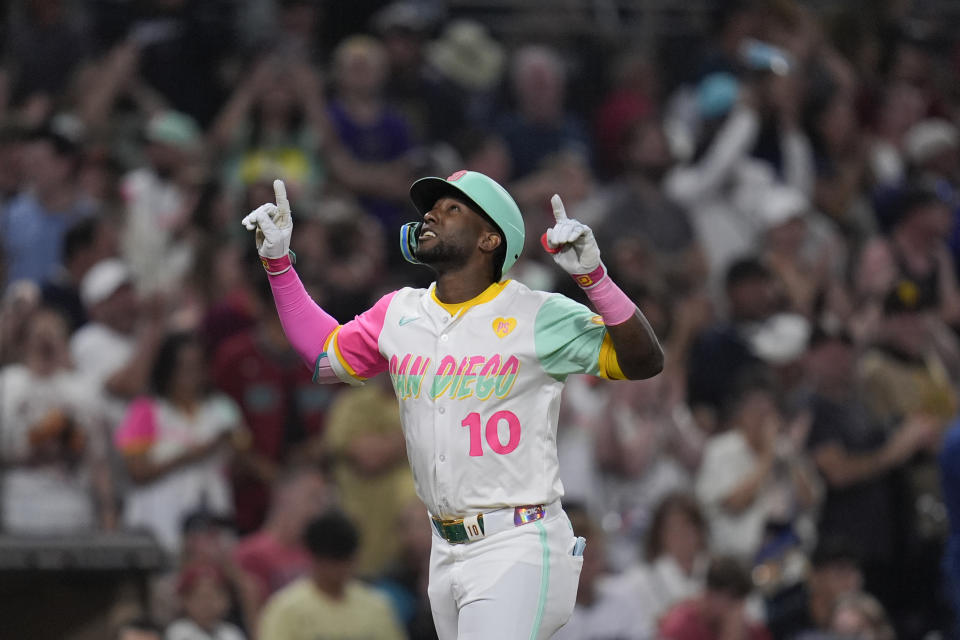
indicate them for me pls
(489, 241)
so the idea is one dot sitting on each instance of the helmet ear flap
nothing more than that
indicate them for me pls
(408, 241)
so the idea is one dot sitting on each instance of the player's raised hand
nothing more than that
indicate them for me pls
(273, 224)
(571, 242)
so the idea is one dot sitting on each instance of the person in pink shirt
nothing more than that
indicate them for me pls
(275, 554)
(718, 613)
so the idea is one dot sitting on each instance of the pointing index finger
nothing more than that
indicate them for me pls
(280, 191)
(559, 213)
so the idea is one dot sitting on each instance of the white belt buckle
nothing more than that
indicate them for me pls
(472, 527)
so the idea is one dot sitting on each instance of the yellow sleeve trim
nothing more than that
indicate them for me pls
(332, 339)
(607, 361)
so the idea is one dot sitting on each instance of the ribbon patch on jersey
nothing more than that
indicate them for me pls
(503, 326)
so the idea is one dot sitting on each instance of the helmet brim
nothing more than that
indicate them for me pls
(426, 191)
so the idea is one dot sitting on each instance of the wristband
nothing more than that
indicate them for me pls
(608, 299)
(278, 266)
(588, 280)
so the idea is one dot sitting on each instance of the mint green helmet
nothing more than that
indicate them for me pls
(482, 194)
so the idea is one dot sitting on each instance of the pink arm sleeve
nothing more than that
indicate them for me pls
(306, 325)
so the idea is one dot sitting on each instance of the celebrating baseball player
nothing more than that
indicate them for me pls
(478, 364)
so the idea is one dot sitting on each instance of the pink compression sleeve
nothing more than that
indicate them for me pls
(608, 299)
(306, 325)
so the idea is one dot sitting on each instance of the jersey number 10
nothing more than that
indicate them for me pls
(493, 432)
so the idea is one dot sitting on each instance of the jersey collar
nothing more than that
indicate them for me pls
(457, 308)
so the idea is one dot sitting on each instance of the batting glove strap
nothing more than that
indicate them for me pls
(592, 279)
(278, 266)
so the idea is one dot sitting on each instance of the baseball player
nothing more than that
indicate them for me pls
(478, 364)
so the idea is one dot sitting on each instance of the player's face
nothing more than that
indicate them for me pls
(450, 234)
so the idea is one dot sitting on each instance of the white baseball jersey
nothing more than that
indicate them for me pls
(479, 387)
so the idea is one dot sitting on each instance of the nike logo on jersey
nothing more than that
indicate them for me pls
(408, 319)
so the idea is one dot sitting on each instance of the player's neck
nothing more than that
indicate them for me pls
(458, 286)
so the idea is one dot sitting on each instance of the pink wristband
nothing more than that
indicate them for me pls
(276, 266)
(608, 299)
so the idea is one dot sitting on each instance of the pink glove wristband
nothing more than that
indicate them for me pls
(276, 266)
(608, 299)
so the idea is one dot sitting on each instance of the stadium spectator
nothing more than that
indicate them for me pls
(674, 561)
(809, 607)
(857, 455)
(117, 347)
(176, 443)
(208, 541)
(273, 124)
(330, 598)
(718, 612)
(156, 240)
(633, 216)
(757, 486)
(56, 478)
(751, 299)
(365, 441)
(34, 222)
(365, 124)
(603, 609)
(204, 593)
(540, 126)
(647, 448)
(914, 250)
(405, 580)
(430, 102)
(84, 245)
(861, 615)
(276, 554)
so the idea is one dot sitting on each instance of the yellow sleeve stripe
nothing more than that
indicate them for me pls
(607, 360)
(332, 338)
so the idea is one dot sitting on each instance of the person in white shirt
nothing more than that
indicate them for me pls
(176, 444)
(203, 590)
(675, 561)
(755, 479)
(115, 350)
(52, 441)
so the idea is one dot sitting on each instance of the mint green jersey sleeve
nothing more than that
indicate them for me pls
(568, 337)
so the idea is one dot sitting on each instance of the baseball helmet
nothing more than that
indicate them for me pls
(483, 194)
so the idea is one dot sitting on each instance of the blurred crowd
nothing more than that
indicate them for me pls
(780, 195)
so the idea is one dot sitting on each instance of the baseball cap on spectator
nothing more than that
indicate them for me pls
(103, 280)
(781, 203)
(173, 128)
(468, 55)
(781, 338)
(928, 138)
(716, 94)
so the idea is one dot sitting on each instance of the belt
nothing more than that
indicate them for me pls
(481, 525)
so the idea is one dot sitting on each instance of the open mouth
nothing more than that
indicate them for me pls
(427, 235)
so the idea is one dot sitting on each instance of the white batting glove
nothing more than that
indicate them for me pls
(273, 224)
(571, 242)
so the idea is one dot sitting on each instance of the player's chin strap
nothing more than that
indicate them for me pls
(408, 241)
